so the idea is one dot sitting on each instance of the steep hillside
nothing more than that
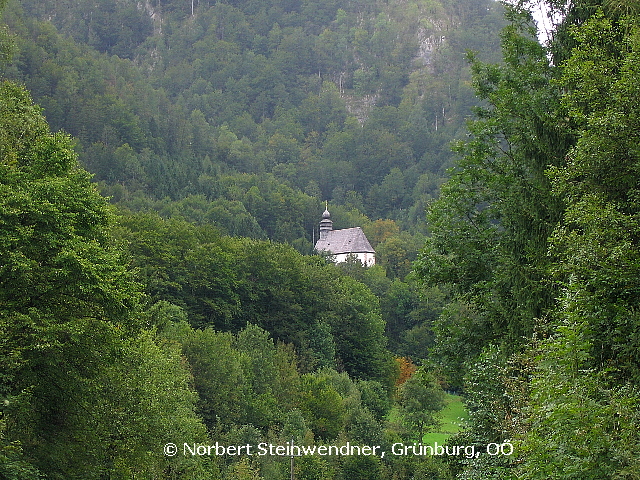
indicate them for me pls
(355, 103)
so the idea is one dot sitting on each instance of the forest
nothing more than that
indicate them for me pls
(163, 169)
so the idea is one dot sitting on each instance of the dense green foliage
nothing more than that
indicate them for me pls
(339, 102)
(247, 115)
(536, 234)
(491, 224)
(227, 283)
(75, 376)
(109, 350)
(419, 398)
(194, 312)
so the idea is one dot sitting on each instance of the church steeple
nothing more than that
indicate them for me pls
(343, 244)
(326, 225)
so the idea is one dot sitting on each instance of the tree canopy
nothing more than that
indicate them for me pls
(535, 233)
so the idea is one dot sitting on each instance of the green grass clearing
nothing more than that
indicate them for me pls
(453, 417)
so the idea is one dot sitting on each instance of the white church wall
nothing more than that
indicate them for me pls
(367, 259)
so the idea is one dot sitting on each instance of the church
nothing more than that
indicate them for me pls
(345, 243)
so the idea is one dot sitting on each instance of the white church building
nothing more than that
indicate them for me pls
(345, 243)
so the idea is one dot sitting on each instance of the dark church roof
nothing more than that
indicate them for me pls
(347, 240)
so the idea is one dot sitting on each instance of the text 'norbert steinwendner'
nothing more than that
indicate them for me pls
(286, 450)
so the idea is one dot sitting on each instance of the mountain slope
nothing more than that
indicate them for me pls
(354, 103)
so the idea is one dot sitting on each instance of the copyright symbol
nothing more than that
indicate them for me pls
(170, 449)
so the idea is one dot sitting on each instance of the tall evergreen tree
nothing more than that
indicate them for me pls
(587, 374)
(489, 228)
(539, 222)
